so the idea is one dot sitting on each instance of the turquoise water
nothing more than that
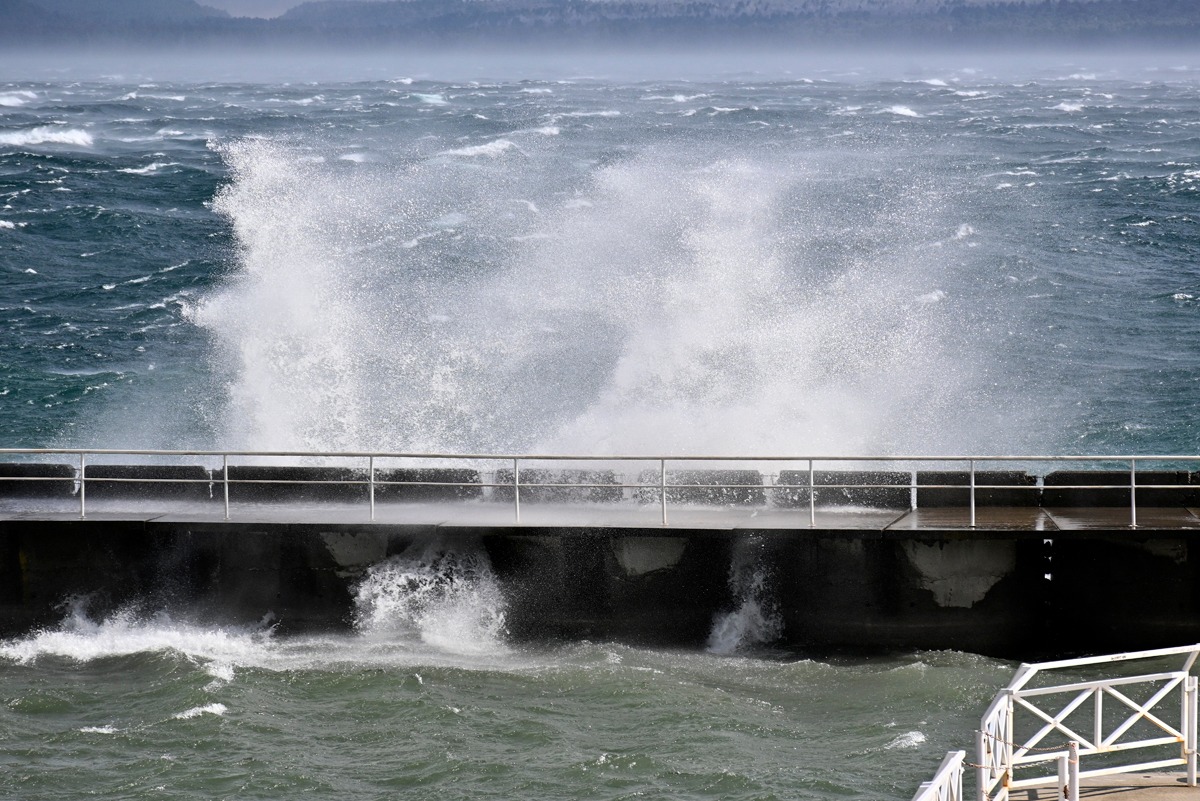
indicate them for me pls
(948, 261)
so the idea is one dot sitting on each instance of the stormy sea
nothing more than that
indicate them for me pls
(832, 259)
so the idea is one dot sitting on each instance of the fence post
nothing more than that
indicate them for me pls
(972, 493)
(225, 480)
(1133, 493)
(371, 479)
(82, 486)
(662, 486)
(812, 496)
(981, 772)
(1073, 771)
(516, 490)
(1190, 735)
(1064, 778)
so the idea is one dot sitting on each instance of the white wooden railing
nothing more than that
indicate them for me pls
(1033, 736)
(947, 783)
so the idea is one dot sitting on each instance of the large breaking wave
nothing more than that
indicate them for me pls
(686, 301)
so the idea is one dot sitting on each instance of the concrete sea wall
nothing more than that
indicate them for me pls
(898, 579)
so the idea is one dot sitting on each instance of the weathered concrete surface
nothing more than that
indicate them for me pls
(876, 579)
(1029, 578)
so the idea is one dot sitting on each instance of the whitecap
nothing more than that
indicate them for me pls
(82, 639)
(47, 135)
(98, 730)
(609, 113)
(910, 739)
(1182, 296)
(538, 91)
(548, 130)
(491, 149)
(149, 169)
(934, 82)
(902, 111)
(433, 100)
(207, 709)
(7, 224)
(677, 98)
(402, 81)
(936, 296)
(357, 158)
(14, 99)
(1068, 107)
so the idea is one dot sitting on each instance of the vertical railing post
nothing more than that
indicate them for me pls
(516, 491)
(972, 493)
(371, 483)
(1009, 740)
(1073, 771)
(1098, 712)
(984, 767)
(1133, 493)
(1064, 776)
(1190, 736)
(662, 487)
(225, 481)
(812, 496)
(82, 486)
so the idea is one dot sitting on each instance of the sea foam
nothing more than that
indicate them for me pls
(47, 134)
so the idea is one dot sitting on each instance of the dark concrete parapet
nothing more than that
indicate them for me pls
(35, 480)
(427, 484)
(871, 488)
(143, 482)
(713, 487)
(581, 486)
(992, 488)
(1111, 488)
(279, 484)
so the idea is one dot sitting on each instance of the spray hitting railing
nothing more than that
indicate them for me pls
(1019, 735)
(795, 478)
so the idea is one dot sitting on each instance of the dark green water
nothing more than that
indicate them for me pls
(143, 710)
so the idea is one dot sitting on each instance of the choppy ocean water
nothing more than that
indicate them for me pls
(945, 262)
(939, 261)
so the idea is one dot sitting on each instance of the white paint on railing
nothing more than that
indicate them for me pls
(1134, 463)
(1001, 752)
(947, 783)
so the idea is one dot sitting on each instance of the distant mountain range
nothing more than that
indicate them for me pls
(338, 22)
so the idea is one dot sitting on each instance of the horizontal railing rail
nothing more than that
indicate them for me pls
(1028, 728)
(790, 480)
(947, 782)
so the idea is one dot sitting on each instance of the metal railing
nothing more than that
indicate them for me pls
(800, 466)
(1011, 742)
(947, 783)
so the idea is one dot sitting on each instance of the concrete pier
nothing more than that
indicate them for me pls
(591, 557)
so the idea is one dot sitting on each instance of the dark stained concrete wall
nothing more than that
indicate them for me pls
(979, 591)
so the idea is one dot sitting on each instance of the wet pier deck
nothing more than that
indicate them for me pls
(1010, 521)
